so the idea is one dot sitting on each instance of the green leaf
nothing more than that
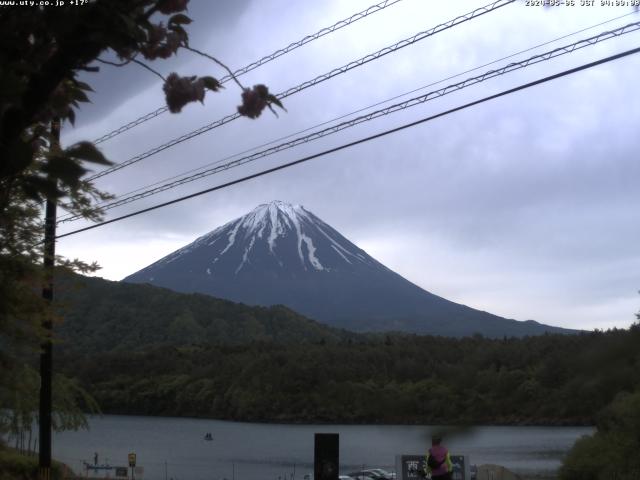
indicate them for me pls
(71, 116)
(180, 19)
(212, 84)
(65, 168)
(11, 85)
(79, 95)
(37, 188)
(131, 27)
(83, 86)
(87, 151)
(273, 99)
(17, 157)
(180, 30)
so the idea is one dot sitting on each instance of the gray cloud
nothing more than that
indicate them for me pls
(524, 206)
(120, 83)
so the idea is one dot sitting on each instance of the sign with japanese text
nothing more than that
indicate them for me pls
(412, 467)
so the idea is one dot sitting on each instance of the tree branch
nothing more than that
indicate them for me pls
(126, 62)
(218, 62)
(148, 68)
(116, 64)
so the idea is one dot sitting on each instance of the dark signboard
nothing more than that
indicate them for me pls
(326, 456)
(122, 472)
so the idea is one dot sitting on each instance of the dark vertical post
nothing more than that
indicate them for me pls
(326, 456)
(46, 364)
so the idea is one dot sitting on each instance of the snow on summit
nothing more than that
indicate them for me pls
(294, 238)
(278, 218)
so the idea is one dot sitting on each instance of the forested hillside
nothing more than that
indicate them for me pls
(550, 379)
(100, 315)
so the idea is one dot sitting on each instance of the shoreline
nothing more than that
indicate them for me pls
(355, 423)
(531, 452)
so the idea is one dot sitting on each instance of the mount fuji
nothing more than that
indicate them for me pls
(283, 254)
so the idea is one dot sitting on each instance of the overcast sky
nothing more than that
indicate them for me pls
(525, 206)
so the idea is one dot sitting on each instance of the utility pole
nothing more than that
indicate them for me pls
(46, 358)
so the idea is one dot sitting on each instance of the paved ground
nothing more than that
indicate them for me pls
(498, 472)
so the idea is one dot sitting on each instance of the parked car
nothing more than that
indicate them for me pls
(381, 474)
(364, 475)
(373, 474)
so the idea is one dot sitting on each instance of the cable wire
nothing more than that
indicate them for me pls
(557, 52)
(362, 109)
(266, 59)
(361, 140)
(309, 83)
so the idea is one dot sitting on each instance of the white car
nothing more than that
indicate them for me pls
(380, 473)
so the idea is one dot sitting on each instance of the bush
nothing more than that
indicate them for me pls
(612, 452)
(15, 466)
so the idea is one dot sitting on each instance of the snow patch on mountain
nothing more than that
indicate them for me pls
(311, 250)
(245, 255)
(340, 253)
(337, 247)
(275, 228)
(232, 238)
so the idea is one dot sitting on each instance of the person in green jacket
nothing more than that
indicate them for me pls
(438, 462)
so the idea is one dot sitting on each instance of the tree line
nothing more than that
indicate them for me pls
(393, 378)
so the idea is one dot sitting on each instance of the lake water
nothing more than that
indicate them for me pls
(175, 447)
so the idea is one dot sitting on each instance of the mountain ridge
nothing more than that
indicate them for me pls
(283, 254)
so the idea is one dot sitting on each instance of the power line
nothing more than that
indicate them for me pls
(266, 59)
(557, 52)
(309, 83)
(362, 140)
(362, 109)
